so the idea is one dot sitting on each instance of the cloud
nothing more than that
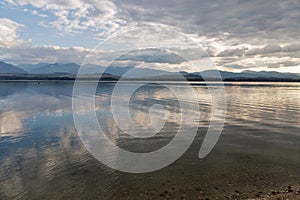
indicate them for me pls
(266, 56)
(8, 33)
(77, 15)
(291, 47)
(152, 56)
(232, 52)
(237, 66)
(267, 49)
(48, 54)
(258, 22)
(235, 33)
(255, 20)
(230, 31)
(260, 62)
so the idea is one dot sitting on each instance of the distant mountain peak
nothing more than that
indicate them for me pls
(6, 68)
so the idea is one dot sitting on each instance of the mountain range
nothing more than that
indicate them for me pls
(71, 69)
(6, 68)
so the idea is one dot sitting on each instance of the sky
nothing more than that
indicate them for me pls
(237, 35)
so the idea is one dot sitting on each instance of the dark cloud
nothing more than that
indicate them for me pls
(152, 56)
(258, 21)
(291, 48)
(267, 49)
(251, 33)
(237, 34)
(237, 66)
(232, 52)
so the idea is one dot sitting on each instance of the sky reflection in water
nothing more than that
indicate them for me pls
(41, 155)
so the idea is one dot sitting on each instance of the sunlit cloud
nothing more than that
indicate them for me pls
(8, 33)
(236, 34)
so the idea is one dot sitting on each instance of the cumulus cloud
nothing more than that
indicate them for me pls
(237, 34)
(76, 15)
(235, 31)
(48, 54)
(9, 33)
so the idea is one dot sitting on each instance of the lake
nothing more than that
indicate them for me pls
(257, 155)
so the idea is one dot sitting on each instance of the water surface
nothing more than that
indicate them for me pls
(42, 157)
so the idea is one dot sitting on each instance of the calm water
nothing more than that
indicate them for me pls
(42, 157)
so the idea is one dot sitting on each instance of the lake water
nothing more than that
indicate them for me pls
(42, 156)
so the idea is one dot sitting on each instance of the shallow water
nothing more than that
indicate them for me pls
(42, 156)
